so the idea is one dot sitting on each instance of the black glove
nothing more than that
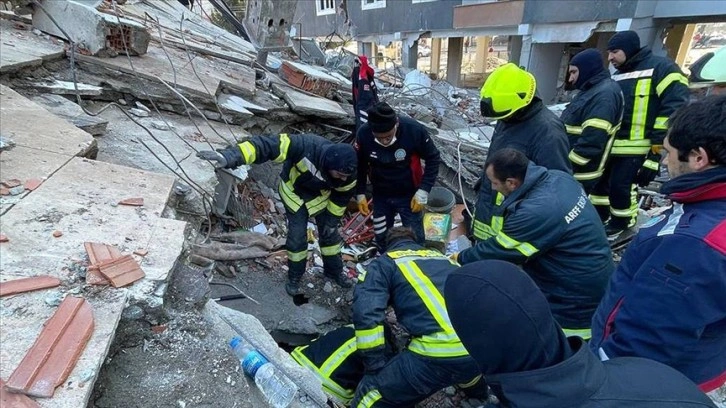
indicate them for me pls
(215, 157)
(649, 171)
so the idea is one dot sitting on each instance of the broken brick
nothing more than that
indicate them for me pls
(141, 252)
(56, 350)
(97, 254)
(28, 284)
(4, 238)
(57, 233)
(158, 329)
(4, 190)
(12, 400)
(12, 183)
(136, 201)
(32, 184)
(122, 271)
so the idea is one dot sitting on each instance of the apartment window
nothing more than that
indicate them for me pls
(372, 4)
(324, 7)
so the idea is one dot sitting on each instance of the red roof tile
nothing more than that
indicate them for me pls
(122, 271)
(28, 284)
(12, 400)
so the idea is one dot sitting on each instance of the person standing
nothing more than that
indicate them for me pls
(317, 180)
(592, 118)
(400, 159)
(523, 123)
(365, 93)
(653, 87)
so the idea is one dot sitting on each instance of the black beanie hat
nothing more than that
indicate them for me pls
(589, 63)
(628, 41)
(340, 157)
(381, 117)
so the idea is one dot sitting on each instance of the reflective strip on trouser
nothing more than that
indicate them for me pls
(284, 147)
(525, 248)
(442, 344)
(585, 334)
(296, 243)
(471, 383)
(331, 250)
(367, 339)
(577, 159)
(630, 213)
(600, 200)
(640, 109)
(329, 385)
(592, 175)
(369, 399)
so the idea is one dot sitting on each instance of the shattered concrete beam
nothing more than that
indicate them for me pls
(98, 33)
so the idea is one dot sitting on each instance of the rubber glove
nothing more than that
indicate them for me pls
(217, 158)
(363, 204)
(419, 200)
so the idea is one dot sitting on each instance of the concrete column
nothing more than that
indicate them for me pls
(685, 44)
(673, 40)
(514, 48)
(409, 57)
(435, 55)
(543, 61)
(453, 62)
(482, 54)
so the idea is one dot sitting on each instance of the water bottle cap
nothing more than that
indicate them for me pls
(234, 342)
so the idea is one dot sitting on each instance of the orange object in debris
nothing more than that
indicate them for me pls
(57, 233)
(122, 271)
(32, 184)
(141, 252)
(28, 284)
(97, 254)
(4, 238)
(135, 202)
(56, 350)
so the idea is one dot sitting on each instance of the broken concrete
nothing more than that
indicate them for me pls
(21, 49)
(99, 33)
(304, 104)
(73, 113)
(239, 104)
(309, 78)
(68, 88)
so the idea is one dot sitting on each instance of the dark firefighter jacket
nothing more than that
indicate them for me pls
(397, 170)
(304, 177)
(550, 228)
(410, 278)
(540, 135)
(591, 120)
(365, 92)
(653, 87)
(667, 299)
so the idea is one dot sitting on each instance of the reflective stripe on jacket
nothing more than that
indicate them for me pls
(653, 87)
(591, 121)
(412, 279)
(303, 180)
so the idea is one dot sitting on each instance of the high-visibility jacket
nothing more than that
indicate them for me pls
(303, 180)
(653, 87)
(411, 279)
(591, 121)
(548, 226)
(540, 135)
(334, 361)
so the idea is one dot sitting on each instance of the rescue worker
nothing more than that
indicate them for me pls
(547, 224)
(317, 180)
(653, 87)
(666, 299)
(503, 320)
(365, 93)
(334, 359)
(523, 123)
(392, 151)
(411, 279)
(593, 116)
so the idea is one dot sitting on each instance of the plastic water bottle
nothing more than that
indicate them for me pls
(275, 386)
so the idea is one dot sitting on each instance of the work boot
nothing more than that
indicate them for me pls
(341, 280)
(293, 288)
(613, 232)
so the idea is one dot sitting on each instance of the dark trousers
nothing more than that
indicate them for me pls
(297, 242)
(615, 196)
(384, 214)
(409, 378)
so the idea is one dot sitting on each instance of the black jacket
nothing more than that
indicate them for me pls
(398, 170)
(552, 230)
(534, 131)
(591, 120)
(583, 381)
(653, 87)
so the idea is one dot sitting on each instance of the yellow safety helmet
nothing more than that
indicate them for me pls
(506, 90)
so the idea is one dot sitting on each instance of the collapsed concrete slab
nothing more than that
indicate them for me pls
(99, 33)
(20, 49)
(309, 78)
(73, 113)
(304, 104)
